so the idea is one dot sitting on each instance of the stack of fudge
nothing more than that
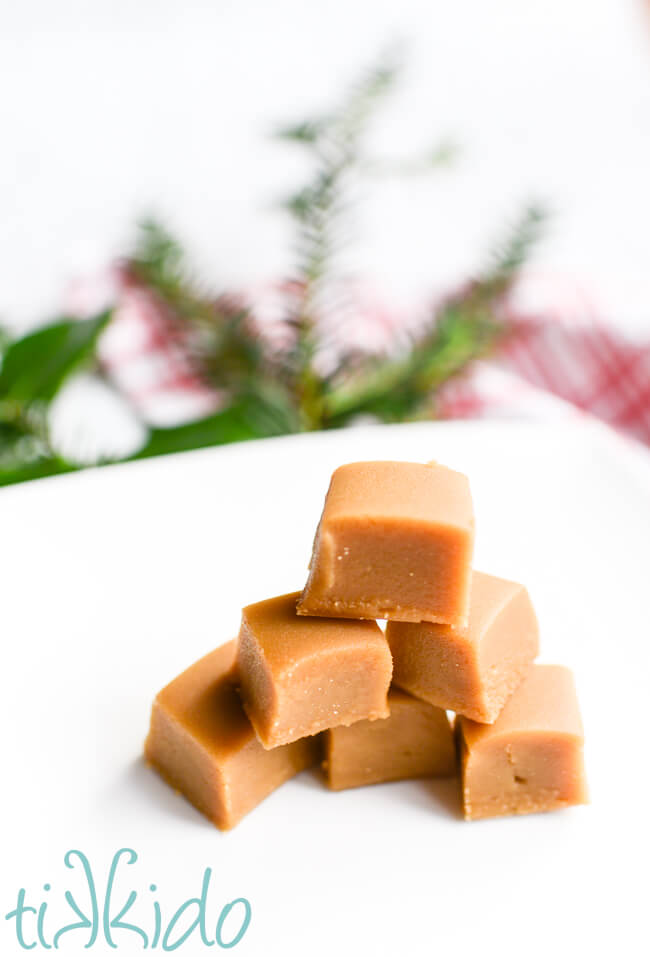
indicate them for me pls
(313, 678)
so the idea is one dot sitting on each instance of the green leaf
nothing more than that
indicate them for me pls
(24, 453)
(34, 367)
(35, 470)
(5, 339)
(249, 417)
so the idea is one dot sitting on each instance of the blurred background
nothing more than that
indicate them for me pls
(505, 171)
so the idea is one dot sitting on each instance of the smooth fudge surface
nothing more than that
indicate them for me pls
(299, 676)
(531, 758)
(416, 741)
(203, 745)
(473, 670)
(395, 540)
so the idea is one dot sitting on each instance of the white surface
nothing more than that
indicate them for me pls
(116, 107)
(114, 581)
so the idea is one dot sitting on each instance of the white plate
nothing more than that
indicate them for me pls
(113, 581)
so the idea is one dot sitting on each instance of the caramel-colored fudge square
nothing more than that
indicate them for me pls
(531, 758)
(203, 745)
(299, 676)
(395, 541)
(416, 741)
(474, 670)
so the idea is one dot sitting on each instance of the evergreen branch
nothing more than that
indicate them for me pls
(215, 332)
(444, 154)
(395, 389)
(463, 329)
(158, 259)
(335, 143)
(269, 391)
(513, 250)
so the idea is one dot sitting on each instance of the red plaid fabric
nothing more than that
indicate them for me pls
(586, 365)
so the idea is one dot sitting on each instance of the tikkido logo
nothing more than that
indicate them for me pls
(102, 921)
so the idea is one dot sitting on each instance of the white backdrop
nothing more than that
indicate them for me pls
(116, 107)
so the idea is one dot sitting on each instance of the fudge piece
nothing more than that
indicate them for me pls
(203, 745)
(474, 670)
(416, 741)
(531, 758)
(299, 676)
(395, 540)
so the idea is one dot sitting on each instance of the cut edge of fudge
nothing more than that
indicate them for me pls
(178, 758)
(532, 757)
(498, 668)
(288, 700)
(410, 751)
(199, 757)
(368, 500)
(382, 605)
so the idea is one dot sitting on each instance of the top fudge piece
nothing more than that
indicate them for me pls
(395, 540)
(299, 676)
